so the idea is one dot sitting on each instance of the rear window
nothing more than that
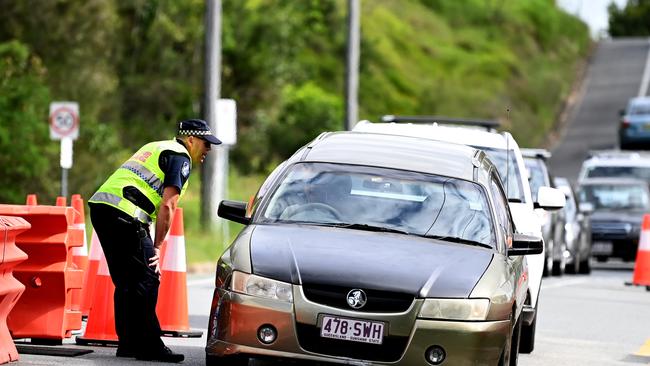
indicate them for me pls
(619, 172)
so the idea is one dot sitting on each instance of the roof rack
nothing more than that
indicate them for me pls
(487, 124)
(536, 153)
(613, 154)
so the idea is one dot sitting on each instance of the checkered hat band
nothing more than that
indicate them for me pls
(194, 133)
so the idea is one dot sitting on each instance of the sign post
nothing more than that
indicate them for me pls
(64, 126)
(226, 132)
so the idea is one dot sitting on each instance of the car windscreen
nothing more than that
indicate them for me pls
(639, 109)
(616, 196)
(503, 162)
(638, 172)
(537, 177)
(371, 197)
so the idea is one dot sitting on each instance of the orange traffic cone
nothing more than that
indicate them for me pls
(172, 295)
(100, 328)
(79, 254)
(61, 201)
(90, 276)
(31, 200)
(642, 264)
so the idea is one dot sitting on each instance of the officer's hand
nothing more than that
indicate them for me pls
(155, 261)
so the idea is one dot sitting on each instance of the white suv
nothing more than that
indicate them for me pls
(616, 164)
(503, 151)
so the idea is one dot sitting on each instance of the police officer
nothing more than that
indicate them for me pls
(145, 188)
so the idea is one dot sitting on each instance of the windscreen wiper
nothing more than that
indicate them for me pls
(457, 239)
(367, 227)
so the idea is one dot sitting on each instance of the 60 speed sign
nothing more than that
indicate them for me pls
(64, 120)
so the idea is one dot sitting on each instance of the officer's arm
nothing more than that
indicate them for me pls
(167, 207)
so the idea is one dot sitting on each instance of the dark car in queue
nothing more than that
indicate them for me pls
(618, 208)
(539, 176)
(373, 249)
(634, 126)
(576, 229)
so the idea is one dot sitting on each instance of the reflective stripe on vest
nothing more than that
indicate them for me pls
(145, 174)
(125, 205)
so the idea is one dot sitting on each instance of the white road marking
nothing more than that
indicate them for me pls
(564, 283)
(643, 89)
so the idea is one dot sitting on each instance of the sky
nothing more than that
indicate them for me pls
(592, 12)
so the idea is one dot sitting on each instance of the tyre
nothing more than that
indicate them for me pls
(601, 258)
(232, 360)
(585, 266)
(559, 267)
(515, 344)
(575, 266)
(548, 267)
(527, 337)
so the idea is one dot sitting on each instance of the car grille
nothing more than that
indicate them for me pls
(378, 301)
(611, 229)
(390, 350)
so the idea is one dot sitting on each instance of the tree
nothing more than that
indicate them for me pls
(631, 20)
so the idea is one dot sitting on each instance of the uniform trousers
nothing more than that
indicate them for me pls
(128, 247)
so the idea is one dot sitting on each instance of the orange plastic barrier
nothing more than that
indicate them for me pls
(31, 200)
(172, 295)
(44, 311)
(10, 288)
(642, 264)
(100, 328)
(79, 254)
(61, 201)
(90, 276)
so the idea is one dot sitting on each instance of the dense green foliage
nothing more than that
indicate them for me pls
(631, 20)
(136, 67)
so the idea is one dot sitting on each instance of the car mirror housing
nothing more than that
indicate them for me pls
(621, 112)
(586, 207)
(525, 244)
(233, 211)
(550, 199)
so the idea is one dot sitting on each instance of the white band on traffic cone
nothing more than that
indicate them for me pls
(174, 259)
(95, 248)
(644, 241)
(103, 266)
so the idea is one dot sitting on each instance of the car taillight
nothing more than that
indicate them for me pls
(625, 123)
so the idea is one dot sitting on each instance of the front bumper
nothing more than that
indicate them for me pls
(235, 319)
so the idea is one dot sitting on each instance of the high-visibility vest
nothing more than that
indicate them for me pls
(142, 172)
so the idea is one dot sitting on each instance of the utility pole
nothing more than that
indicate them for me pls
(212, 191)
(352, 65)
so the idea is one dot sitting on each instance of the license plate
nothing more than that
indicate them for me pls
(356, 330)
(602, 247)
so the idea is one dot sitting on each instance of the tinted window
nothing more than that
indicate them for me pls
(503, 162)
(538, 176)
(421, 204)
(639, 109)
(501, 206)
(619, 172)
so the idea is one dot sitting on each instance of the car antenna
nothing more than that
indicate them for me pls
(507, 155)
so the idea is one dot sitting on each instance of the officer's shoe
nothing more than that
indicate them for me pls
(163, 354)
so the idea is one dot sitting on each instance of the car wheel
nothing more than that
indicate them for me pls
(559, 266)
(574, 266)
(585, 266)
(548, 267)
(232, 360)
(527, 337)
(601, 258)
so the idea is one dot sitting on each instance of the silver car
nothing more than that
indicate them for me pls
(369, 249)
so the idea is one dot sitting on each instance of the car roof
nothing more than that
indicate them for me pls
(618, 158)
(613, 181)
(535, 153)
(640, 100)
(397, 152)
(457, 134)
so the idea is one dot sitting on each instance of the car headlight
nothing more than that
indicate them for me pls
(455, 309)
(262, 287)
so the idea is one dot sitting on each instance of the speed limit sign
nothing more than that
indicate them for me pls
(64, 120)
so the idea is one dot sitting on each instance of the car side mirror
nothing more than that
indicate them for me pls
(550, 199)
(586, 207)
(233, 211)
(525, 244)
(621, 112)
